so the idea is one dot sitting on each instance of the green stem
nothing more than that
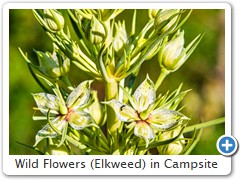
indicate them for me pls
(161, 77)
(113, 124)
(204, 125)
(66, 81)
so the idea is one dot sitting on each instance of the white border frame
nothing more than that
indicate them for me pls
(9, 159)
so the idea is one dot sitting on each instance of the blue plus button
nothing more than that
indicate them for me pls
(227, 145)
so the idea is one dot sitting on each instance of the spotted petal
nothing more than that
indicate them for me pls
(123, 112)
(145, 94)
(80, 95)
(80, 120)
(48, 132)
(46, 101)
(143, 130)
(164, 118)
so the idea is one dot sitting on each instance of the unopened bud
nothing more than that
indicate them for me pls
(152, 13)
(165, 19)
(173, 148)
(49, 64)
(96, 110)
(97, 32)
(173, 54)
(120, 39)
(53, 19)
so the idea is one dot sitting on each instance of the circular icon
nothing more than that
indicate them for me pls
(227, 145)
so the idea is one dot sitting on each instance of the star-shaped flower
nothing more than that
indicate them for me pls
(144, 113)
(72, 111)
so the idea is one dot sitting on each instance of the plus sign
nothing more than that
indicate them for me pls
(227, 145)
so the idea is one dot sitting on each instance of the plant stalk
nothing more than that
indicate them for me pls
(204, 125)
(113, 124)
(161, 77)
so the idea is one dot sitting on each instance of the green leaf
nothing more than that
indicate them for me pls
(64, 133)
(31, 147)
(195, 139)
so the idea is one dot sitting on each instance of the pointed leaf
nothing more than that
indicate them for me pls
(64, 133)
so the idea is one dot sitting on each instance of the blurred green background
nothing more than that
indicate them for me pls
(203, 73)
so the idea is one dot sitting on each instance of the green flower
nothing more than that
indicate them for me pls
(144, 113)
(72, 111)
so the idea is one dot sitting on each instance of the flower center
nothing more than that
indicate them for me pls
(69, 115)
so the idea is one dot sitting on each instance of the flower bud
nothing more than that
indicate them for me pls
(53, 19)
(120, 39)
(49, 64)
(173, 54)
(71, 49)
(165, 19)
(173, 148)
(97, 32)
(95, 109)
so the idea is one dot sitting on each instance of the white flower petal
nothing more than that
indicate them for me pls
(143, 130)
(48, 132)
(80, 120)
(46, 101)
(145, 94)
(80, 95)
(165, 118)
(123, 112)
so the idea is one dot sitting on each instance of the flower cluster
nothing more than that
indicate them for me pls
(109, 53)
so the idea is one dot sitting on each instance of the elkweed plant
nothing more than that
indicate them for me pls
(133, 118)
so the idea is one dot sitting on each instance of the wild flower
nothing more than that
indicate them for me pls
(61, 112)
(112, 54)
